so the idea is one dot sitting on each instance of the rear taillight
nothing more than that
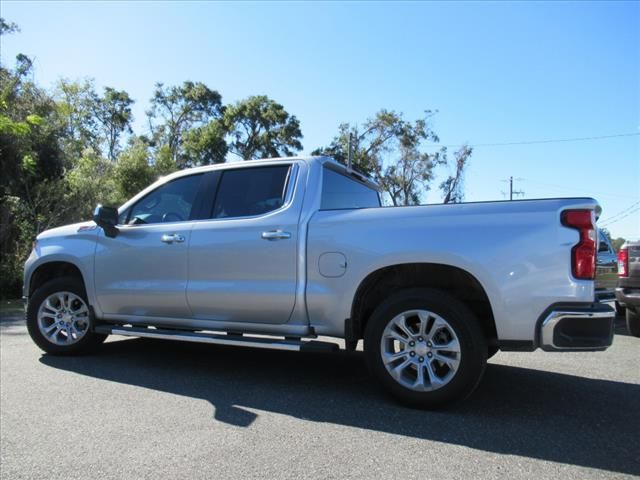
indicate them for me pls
(583, 255)
(623, 263)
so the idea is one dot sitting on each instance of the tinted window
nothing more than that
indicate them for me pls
(339, 191)
(250, 191)
(172, 202)
(604, 244)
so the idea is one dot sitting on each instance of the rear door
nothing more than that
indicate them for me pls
(243, 259)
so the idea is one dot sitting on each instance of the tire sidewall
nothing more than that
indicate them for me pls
(473, 346)
(69, 284)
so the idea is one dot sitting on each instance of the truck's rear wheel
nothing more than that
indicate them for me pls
(425, 347)
(633, 322)
(59, 320)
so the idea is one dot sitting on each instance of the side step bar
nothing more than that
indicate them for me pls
(220, 339)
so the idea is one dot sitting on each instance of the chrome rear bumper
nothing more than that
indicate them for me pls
(573, 329)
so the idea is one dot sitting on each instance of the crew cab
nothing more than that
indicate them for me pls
(275, 253)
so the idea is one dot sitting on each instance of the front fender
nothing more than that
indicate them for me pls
(75, 249)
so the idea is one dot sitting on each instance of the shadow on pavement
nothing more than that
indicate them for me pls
(515, 411)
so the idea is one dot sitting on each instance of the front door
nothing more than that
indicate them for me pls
(143, 270)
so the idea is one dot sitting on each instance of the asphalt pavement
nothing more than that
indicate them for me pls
(156, 409)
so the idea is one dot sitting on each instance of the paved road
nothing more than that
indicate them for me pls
(153, 409)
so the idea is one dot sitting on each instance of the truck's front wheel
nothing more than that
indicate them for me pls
(59, 320)
(425, 347)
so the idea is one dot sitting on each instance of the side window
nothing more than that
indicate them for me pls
(172, 202)
(246, 192)
(603, 245)
(340, 191)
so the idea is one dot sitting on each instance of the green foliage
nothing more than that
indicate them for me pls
(206, 145)
(113, 112)
(175, 110)
(89, 182)
(164, 164)
(260, 128)
(133, 171)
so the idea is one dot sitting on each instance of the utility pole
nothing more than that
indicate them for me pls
(513, 192)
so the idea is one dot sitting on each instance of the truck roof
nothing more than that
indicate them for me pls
(325, 160)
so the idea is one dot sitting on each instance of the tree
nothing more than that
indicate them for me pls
(206, 145)
(377, 137)
(406, 180)
(77, 104)
(89, 182)
(616, 243)
(175, 110)
(113, 111)
(133, 171)
(388, 148)
(452, 187)
(8, 27)
(260, 127)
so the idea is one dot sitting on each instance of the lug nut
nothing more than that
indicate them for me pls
(412, 344)
(413, 354)
(420, 339)
(429, 354)
(421, 359)
(428, 344)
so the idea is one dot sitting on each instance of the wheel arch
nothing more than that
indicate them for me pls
(379, 284)
(53, 269)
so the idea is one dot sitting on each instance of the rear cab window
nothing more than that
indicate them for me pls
(342, 192)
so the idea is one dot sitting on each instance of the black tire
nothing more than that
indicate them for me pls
(491, 351)
(88, 343)
(473, 346)
(620, 309)
(633, 322)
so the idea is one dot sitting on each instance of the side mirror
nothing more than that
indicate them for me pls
(107, 218)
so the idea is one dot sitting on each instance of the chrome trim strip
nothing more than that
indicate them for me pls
(209, 339)
(549, 325)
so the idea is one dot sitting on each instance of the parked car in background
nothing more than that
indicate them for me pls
(628, 288)
(606, 269)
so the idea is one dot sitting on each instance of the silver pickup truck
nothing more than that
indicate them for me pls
(274, 253)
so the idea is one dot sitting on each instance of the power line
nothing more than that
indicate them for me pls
(623, 211)
(609, 222)
(536, 142)
(581, 190)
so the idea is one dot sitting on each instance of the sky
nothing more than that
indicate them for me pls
(496, 72)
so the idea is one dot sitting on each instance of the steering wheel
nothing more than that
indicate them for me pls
(172, 217)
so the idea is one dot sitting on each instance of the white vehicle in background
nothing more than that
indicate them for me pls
(274, 253)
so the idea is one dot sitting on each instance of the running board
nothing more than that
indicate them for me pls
(220, 339)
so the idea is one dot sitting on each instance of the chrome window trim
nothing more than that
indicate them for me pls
(290, 182)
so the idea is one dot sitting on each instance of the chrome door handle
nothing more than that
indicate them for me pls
(172, 238)
(275, 235)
